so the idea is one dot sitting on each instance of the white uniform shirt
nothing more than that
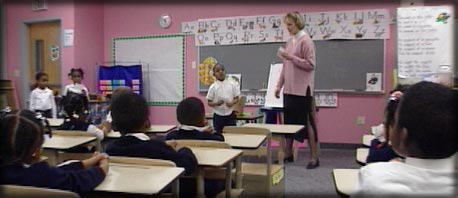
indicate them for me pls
(415, 177)
(43, 99)
(76, 88)
(223, 90)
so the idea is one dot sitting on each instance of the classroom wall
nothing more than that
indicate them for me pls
(88, 42)
(96, 25)
(336, 125)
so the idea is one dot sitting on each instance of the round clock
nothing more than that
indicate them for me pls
(165, 20)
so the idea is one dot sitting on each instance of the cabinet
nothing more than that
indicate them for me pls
(7, 94)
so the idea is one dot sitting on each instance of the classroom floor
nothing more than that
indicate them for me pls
(301, 182)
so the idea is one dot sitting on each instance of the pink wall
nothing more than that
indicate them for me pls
(88, 41)
(336, 125)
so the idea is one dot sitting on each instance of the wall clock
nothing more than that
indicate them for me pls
(165, 20)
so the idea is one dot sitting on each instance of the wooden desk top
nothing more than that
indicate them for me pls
(367, 138)
(345, 180)
(137, 179)
(361, 155)
(207, 156)
(153, 129)
(277, 128)
(244, 141)
(63, 142)
(55, 122)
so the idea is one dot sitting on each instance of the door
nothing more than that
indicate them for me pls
(44, 51)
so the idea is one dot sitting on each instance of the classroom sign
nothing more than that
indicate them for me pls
(359, 24)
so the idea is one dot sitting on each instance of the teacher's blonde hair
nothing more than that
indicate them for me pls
(297, 19)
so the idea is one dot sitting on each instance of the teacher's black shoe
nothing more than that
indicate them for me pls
(313, 165)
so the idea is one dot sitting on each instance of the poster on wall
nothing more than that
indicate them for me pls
(425, 44)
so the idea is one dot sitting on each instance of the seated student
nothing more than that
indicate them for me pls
(21, 137)
(425, 133)
(191, 116)
(130, 117)
(76, 109)
(380, 149)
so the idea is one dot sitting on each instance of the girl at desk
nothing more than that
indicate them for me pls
(21, 138)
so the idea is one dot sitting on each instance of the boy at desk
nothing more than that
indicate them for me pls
(222, 96)
(426, 134)
(130, 114)
(191, 116)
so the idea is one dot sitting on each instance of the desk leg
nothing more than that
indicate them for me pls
(176, 188)
(238, 172)
(200, 184)
(228, 179)
(281, 153)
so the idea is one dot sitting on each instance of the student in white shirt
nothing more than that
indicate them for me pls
(222, 96)
(42, 98)
(426, 133)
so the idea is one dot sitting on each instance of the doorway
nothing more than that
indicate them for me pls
(44, 50)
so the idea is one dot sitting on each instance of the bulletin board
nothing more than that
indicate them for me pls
(341, 65)
(162, 60)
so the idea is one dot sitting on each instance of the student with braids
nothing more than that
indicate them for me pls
(21, 138)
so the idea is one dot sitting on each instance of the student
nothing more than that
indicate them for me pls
(130, 117)
(118, 91)
(380, 149)
(76, 75)
(191, 116)
(425, 133)
(21, 137)
(222, 96)
(42, 98)
(76, 110)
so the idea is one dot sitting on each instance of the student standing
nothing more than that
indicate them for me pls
(42, 98)
(297, 80)
(77, 76)
(222, 96)
(426, 135)
(21, 138)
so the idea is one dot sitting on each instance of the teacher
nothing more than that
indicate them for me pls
(297, 80)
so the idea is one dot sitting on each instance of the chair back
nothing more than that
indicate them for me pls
(15, 191)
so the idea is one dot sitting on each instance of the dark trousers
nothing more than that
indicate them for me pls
(45, 113)
(219, 122)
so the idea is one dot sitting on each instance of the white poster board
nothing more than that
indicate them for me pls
(425, 44)
(274, 75)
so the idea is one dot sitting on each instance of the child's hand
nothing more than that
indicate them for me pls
(219, 103)
(172, 143)
(230, 104)
(94, 160)
(104, 165)
(209, 129)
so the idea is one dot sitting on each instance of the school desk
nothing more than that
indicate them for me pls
(367, 138)
(217, 157)
(278, 130)
(244, 141)
(153, 130)
(138, 179)
(64, 142)
(345, 180)
(246, 118)
(55, 122)
(361, 155)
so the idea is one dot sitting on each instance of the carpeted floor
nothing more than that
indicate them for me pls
(302, 182)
